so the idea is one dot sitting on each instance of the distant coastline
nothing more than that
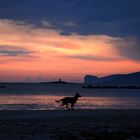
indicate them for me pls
(110, 87)
(5, 85)
(118, 81)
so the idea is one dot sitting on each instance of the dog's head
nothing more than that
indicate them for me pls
(77, 94)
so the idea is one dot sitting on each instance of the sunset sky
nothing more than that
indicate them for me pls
(43, 40)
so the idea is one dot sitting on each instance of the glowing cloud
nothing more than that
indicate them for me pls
(29, 51)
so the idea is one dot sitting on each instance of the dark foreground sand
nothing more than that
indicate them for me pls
(70, 125)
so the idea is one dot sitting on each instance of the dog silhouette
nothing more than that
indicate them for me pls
(69, 100)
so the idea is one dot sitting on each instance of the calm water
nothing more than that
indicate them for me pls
(43, 96)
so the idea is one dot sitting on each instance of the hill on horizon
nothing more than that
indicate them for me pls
(131, 79)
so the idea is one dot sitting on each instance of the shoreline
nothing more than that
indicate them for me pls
(117, 124)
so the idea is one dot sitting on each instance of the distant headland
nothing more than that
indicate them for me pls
(116, 80)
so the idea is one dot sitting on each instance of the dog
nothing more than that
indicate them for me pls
(69, 100)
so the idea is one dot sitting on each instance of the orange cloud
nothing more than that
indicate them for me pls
(29, 51)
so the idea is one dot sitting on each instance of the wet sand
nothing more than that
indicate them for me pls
(70, 125)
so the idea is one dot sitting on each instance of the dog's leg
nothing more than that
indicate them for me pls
(72, 105)
(67, 106)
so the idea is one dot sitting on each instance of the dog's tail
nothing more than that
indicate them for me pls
(57, 101)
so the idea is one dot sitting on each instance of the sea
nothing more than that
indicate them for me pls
(42, 96)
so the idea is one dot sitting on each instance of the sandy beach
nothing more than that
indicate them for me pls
(70, 125)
